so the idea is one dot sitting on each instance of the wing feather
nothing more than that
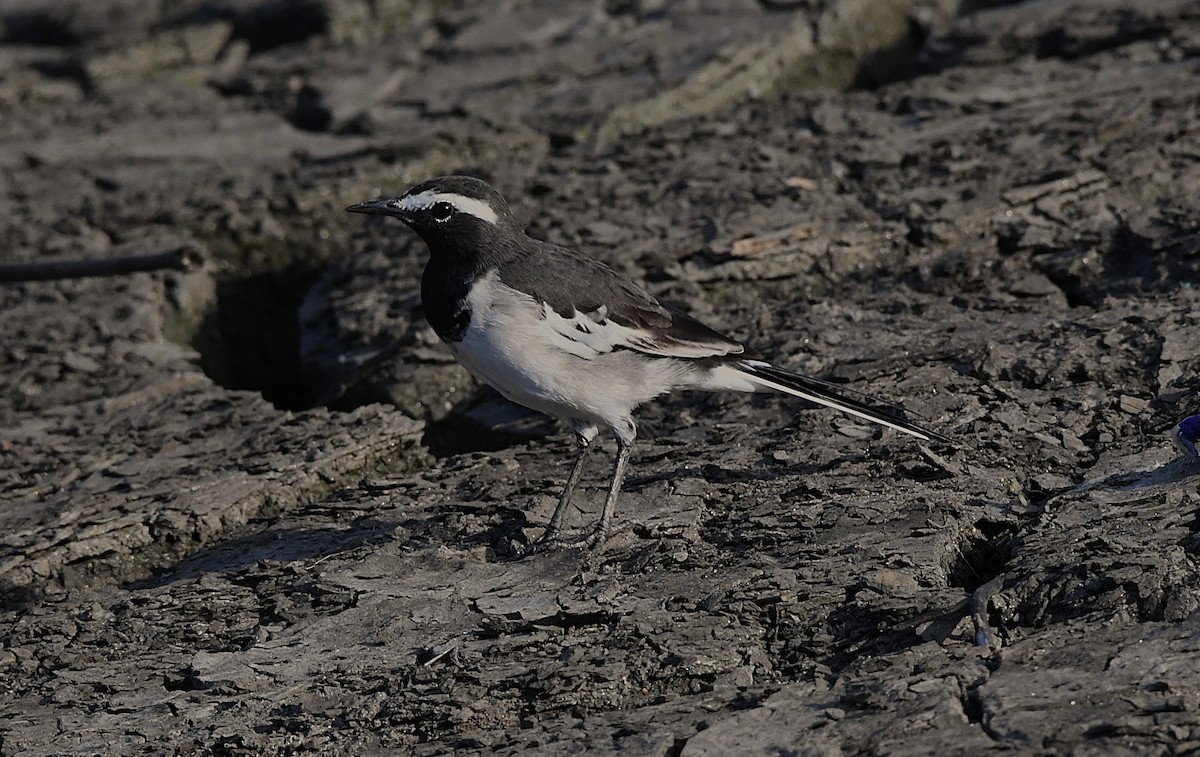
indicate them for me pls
(610, 312)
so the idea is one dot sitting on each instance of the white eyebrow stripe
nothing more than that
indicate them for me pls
(469, 205)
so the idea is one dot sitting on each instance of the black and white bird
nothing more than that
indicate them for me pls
(566, 335)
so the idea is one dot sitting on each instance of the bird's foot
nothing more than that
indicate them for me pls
(593, 538)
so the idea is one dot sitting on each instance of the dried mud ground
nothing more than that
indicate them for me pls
(256, 509)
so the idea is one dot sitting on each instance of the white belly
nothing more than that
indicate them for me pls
(509, 346)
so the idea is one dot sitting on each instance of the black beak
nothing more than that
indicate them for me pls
(374, 207)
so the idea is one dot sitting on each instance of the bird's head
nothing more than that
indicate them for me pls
(451, 213)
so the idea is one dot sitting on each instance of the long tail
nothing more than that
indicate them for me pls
(748, 375)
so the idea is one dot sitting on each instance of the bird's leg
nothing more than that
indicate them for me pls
(551, 533)
(600, 530)
(594, 537)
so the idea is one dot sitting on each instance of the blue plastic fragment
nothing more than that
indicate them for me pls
(1186, 434)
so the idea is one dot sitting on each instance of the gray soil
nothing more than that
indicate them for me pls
(255, 508)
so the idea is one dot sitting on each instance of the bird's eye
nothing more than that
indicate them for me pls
(441, 211)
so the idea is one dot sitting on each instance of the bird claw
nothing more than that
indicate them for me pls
(590, 539)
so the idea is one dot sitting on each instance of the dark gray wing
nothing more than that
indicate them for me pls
(598, 310)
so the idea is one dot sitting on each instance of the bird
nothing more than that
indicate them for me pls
(564, 334)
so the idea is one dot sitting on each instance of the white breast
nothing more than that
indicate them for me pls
(511, 345)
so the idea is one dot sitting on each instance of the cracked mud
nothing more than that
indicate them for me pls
(256, 508)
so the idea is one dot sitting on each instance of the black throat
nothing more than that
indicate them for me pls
(455, 265)
(444, 290)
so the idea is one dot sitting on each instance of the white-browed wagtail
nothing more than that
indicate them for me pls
(566, 335)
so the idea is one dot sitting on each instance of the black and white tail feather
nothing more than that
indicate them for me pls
(838, 398)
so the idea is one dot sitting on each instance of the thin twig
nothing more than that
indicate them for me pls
(185, 258)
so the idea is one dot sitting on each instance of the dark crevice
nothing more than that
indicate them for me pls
(894, 62)
(980, 555)
(972, 704)
(267, 25)
(46, 26)
(184, 680)
(250, 338)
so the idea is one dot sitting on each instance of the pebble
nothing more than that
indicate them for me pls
(1132, 404)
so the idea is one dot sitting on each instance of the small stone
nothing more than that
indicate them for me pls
(80, 363)
(1130, 404)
